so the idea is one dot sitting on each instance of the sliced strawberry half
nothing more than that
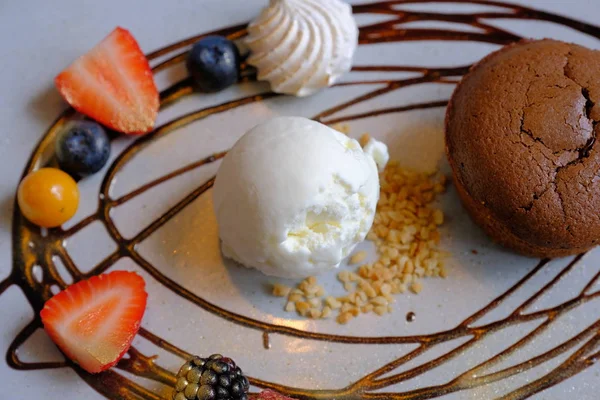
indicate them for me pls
(271, 395)
(94, 321)
(113, 84)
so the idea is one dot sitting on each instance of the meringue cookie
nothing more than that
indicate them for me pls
(302, 46)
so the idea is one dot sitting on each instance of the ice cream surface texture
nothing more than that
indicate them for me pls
(301, 46)
(293, 197)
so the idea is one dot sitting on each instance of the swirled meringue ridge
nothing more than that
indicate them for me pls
(302, 46)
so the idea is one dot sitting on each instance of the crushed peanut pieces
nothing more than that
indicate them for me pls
(405, 232)
(358, 258)
(342, 128)
(364, 139)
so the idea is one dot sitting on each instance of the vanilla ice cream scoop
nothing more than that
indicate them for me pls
(293, 197)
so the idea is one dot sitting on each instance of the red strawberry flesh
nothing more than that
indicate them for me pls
(113, 84)
(94, 321)
(271, 395)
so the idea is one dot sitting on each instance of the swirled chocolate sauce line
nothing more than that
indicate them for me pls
(473, 19)
(5, 284)
(140, 365)
(12, 358)
(112, 384)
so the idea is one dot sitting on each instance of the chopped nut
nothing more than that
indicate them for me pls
(443, 272)
(320, 291)
(380, 310)
(314, 313)
(343, 299)
(354, 277)
(364, 139)
(379, 301)
(344, 318)
(409, 268)
(370, 292)
(352, 298)
(315, 302)
(312, 290)
(344, 276)
(363, 296)
(416, 287)
(393, 253)
(387, 274)
(342, 128)
(326, 312)
(359, 257)
(281, 290)
(386, 289)
(367, 308)
(295, 297)
(302, 307)
(290, 306)
(333, 302)
(359, 301)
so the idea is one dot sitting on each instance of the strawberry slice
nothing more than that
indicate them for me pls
(271, 395)
(113, 84)
(94, 321)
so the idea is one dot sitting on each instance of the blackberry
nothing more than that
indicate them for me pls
(213, 378)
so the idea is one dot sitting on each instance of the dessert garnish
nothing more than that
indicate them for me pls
(293, 197)
(215, 377)
(405, 232)
(94, 321)
(113, 84)
(82, 148)
(214, 63)
(521, 138)
(302, 46)
(48, 197)
(271, 395)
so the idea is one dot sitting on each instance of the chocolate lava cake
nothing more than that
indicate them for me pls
(521, 140)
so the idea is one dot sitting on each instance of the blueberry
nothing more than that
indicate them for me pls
(82, 148)
(214, 63)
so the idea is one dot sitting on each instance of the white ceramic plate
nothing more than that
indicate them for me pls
(500, 326)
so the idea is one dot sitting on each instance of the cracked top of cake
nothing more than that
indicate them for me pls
(521, 137)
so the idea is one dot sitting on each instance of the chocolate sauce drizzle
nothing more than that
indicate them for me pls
(33, 248)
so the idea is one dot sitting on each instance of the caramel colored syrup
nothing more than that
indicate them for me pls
(32, 248)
